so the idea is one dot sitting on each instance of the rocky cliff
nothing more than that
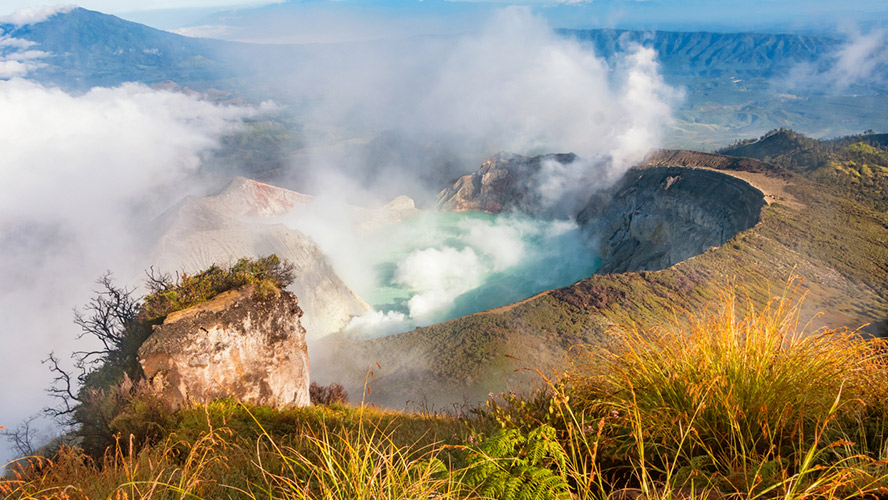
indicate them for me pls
(505, 183)
(241, 344)
(673, 207)
(246, 219)
(659, 216)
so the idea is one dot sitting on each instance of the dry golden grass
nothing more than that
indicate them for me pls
(731, 402)
(741, 400)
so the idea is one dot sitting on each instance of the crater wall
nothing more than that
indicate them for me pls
(658, 216)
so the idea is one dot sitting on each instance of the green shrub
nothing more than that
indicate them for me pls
(268, 273)
(513, 466)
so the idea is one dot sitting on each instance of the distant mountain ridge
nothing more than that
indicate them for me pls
(712, 54)
(90, 48)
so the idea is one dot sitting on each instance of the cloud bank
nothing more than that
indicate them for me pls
(34, 15)
(82, 177)
(861, 60)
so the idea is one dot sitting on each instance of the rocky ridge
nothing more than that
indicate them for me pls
(504, 183)
(659, 216)
(675, 205)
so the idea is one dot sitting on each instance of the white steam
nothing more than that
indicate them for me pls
(524, 88)
(379, 324)
(436, 277)
(82, 176)
(862, 59)
(449, 265)
(515, 86)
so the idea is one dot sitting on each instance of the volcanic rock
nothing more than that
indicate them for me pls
(504, 183)
(246, 220)
(658, 216)
(239, 345)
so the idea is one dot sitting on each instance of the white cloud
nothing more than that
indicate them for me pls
(861, 59)
(82, 175)
(7, 41)
(12, 69)
(34, 15)
(204, 31)
(16, 60)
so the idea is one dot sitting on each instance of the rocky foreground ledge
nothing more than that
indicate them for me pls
(246, 344)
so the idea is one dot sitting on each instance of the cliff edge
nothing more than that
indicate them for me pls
(659, 216)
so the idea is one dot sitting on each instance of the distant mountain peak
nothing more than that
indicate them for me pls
(85, 49)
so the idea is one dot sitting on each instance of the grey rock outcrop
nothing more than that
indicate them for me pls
(504, 183)
(656, 217)
(237, 345)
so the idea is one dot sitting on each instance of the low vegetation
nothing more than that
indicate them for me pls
(169, 295)
(856, 167)
(108, 394)
(726, 401)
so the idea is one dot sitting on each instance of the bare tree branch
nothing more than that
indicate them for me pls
(159, 282)
(24, 437)
(61, 388)
(107, 317)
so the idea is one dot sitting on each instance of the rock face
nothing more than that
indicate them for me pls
(246, 220)
(236, 345)
(504, 183)
(656, 217)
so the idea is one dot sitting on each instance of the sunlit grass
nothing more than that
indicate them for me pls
(734, 401)
(741, 400)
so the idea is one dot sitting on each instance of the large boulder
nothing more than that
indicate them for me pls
(242, 344)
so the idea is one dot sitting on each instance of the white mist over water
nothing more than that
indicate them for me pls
(440, 266)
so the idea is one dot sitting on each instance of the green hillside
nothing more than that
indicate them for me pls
(852, 167)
